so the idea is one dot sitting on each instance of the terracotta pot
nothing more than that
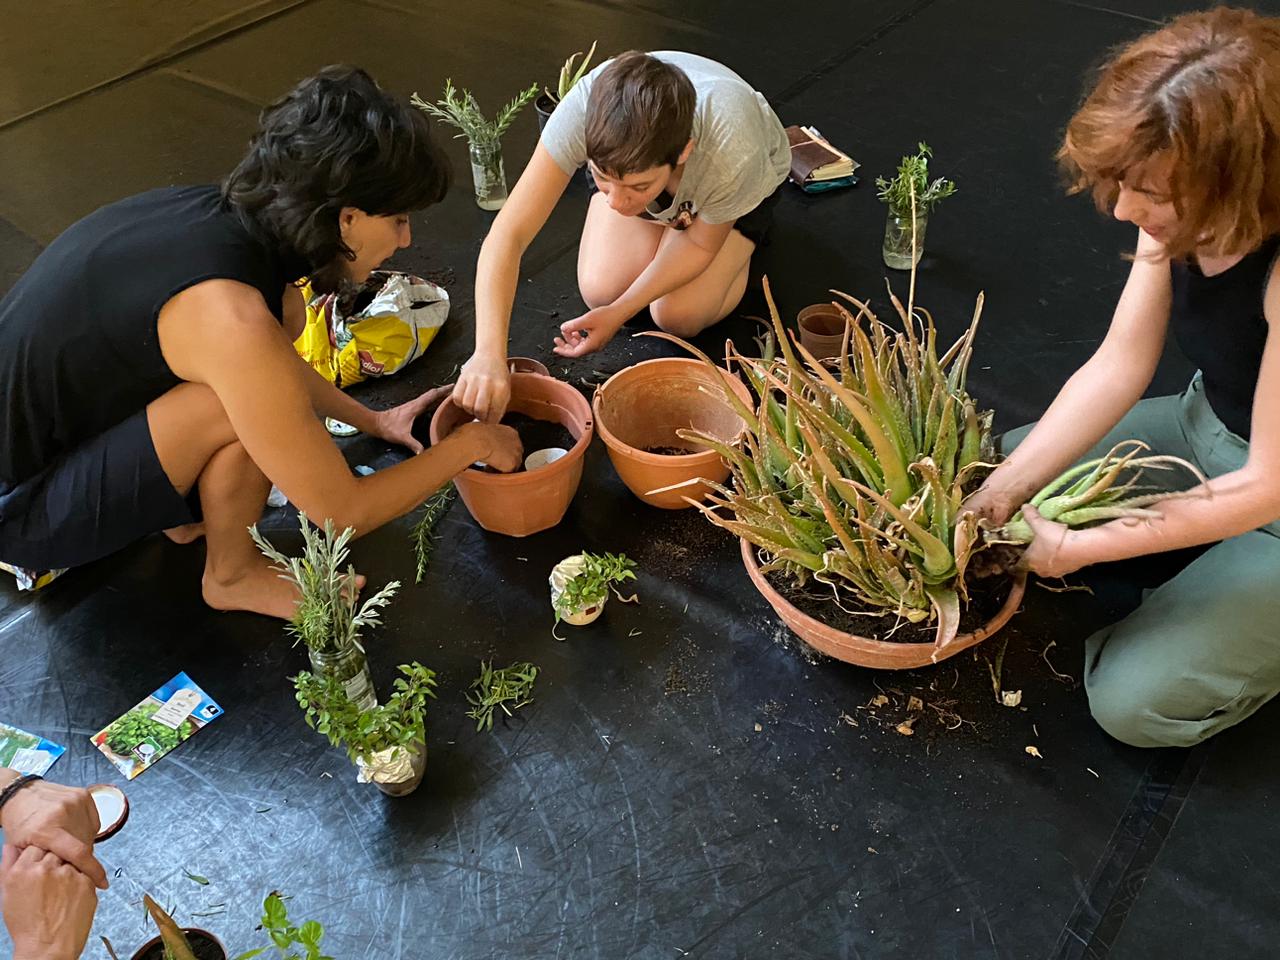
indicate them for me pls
(643, 406)
(153, 949)
(864, 651)
(519, 504)
(821, 330)
(527, 365)
(406, 787)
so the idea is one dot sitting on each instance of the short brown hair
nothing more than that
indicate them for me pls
(639, 114)
(1205, 89)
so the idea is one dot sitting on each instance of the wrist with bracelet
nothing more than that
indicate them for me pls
(9, 792)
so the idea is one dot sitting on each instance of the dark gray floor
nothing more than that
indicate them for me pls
(634, 810)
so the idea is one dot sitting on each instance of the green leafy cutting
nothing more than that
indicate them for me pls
(591, 585)
(461, 110)
(507, 689)
(423, 534)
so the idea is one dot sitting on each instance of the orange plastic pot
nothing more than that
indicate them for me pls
(519, 504)
(821, 330)
(642, 407)
(866, 651)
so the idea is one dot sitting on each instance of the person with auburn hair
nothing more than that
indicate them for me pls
(686, 159)
(148, 380)
(1180, 137)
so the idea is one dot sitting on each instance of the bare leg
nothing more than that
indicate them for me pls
(196, 444)
(614, 250)
(709, 297)
(236, 575)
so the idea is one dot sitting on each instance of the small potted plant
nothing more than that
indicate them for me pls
(387, 743)
(484, 137)
(173, 942)
(580, 584)
(569, 77)
(910, 197)
(329, 617)
(290, 942)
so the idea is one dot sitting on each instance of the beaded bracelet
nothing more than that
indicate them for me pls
(8, 792)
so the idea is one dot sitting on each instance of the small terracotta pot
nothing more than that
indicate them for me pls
(527, 365)
(821, 330)
(519, 504)
(149, 951)
(643, 406)
(406, 787)
(864, 651)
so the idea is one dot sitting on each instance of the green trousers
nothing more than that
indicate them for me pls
(1202, 652)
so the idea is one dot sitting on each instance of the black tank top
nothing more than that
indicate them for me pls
(79, 350)
(1219, 324)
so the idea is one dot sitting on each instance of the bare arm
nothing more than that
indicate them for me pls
(1233, 503)
(682, 257)
(1099, 394)
(483, 385)
(220, 333)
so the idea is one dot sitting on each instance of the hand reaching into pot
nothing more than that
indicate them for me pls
(396, 425)
(498, 446)
(484, 387)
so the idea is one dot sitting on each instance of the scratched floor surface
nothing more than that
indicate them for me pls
(687, 782)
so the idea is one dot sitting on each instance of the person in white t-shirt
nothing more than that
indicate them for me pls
(686, 159)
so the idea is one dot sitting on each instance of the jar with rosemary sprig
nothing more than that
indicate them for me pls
(329, 617)
(910, 196)
(484, 136)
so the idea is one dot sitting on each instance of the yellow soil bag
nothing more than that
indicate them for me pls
(396, 317)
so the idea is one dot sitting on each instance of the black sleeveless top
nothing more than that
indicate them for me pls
(79, 350)
(1219, 324)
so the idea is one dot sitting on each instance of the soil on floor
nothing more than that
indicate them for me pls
(986, 597)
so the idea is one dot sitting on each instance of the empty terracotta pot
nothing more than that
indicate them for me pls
(821, 330)
(519, 504)
(527, 365)
(638, 411)
(868, 651)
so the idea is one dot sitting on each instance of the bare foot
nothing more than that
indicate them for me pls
(257, 590)
(185, 533)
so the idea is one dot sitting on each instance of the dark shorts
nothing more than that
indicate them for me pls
(755, 225)
(91, 502)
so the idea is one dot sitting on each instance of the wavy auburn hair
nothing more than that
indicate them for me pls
(1205, 91)
(335, 140)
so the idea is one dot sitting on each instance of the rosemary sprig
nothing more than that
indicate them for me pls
(507, 689)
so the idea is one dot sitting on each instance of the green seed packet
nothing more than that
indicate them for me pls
(27, 752)
(170, 716)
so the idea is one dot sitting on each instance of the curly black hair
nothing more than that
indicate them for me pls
(335, 140)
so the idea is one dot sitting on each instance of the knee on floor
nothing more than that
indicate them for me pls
(678, 320)
(1154, 709)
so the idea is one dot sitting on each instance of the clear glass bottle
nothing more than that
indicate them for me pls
(350, 667)
(897, 249)
(487, 174)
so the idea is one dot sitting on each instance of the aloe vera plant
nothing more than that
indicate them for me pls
(852, 473)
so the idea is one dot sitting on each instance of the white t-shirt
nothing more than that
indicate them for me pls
(740, 153)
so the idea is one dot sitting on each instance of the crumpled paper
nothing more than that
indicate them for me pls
(393, 765)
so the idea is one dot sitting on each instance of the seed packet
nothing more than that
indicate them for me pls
(170, 716)
(27, 752)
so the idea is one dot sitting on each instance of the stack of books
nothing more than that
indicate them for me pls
(816, 165)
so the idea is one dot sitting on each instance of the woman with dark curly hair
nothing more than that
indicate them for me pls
(149, 382)
(1181, 138)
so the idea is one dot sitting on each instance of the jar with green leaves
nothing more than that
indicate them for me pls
(329, 618)
(910, 196)
(484, 136)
